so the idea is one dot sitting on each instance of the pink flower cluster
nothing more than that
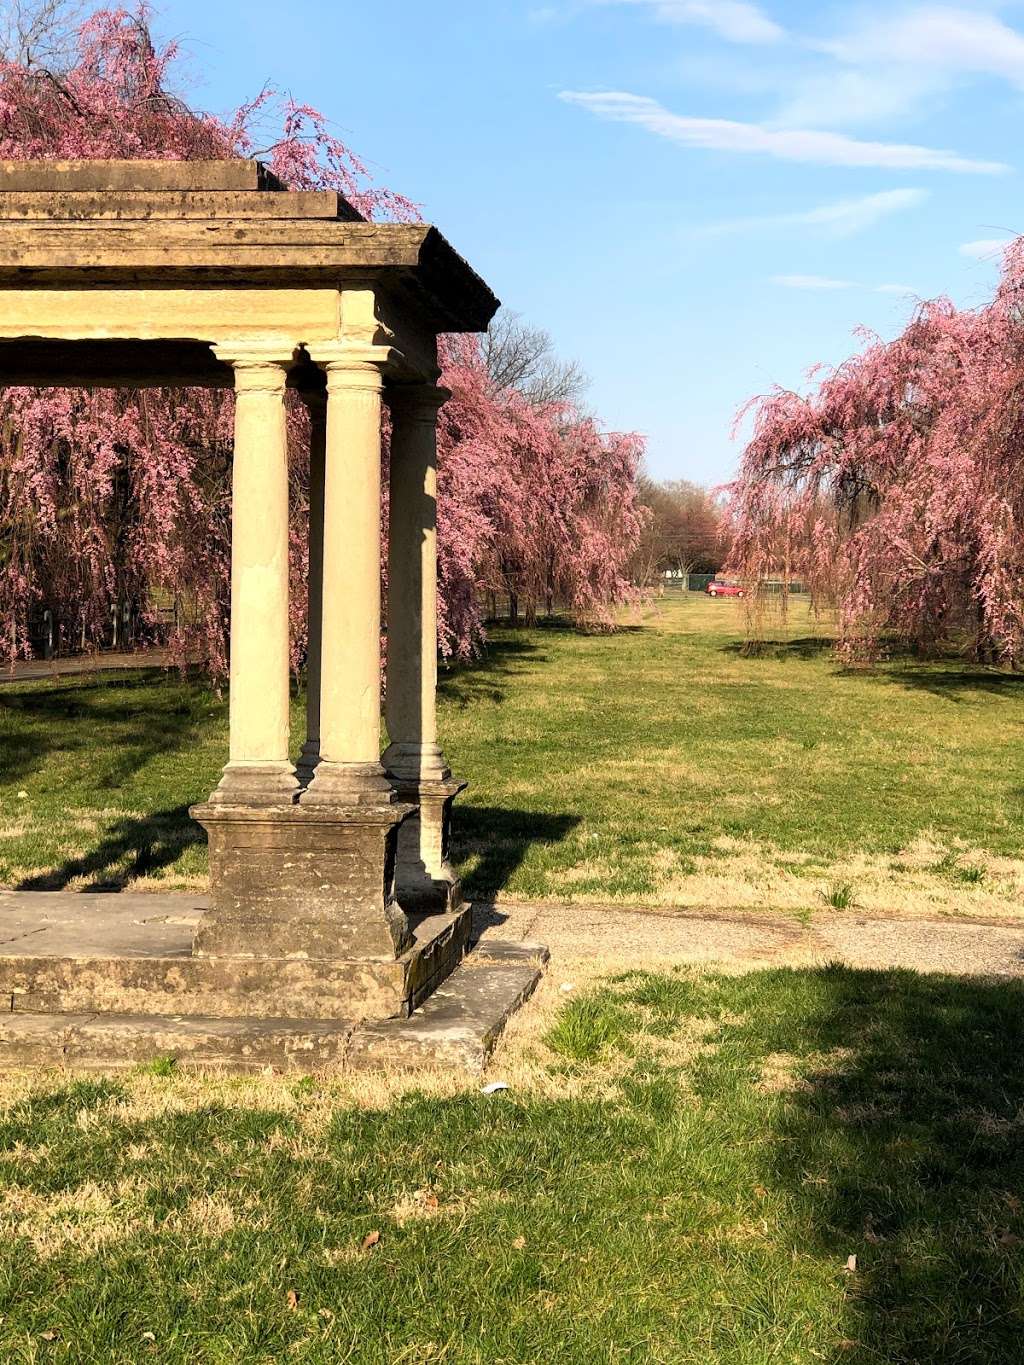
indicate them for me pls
(895, 488)
(109, 497)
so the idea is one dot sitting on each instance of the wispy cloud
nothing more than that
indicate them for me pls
(890, 62)
(810, 282)
(736, 20)
(936, 37)
(844, 218)
(825, 282)
(804, 145)
(988, 249)
(837, 98)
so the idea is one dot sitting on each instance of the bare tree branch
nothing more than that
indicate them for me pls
(40, 32)
(522, 357)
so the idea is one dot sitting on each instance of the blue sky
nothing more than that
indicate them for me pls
(697, 198)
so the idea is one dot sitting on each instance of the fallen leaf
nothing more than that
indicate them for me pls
(49, 1336)
(371, 1239)
(293, 1300)
(1009, 1239)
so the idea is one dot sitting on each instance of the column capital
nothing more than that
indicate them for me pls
(351, 365)
(416, 402)
(260, 364)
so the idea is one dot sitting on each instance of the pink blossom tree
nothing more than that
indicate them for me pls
(108, 497)
(894, 487)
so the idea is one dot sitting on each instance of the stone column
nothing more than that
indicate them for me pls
(312, 878)
(259, 772)
(350, 771)
(414, 760)
(316, 403)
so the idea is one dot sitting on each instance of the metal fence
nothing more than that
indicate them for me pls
(698, 582)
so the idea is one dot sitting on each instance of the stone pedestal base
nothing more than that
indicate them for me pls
(295, 881)
(425, 879)
(109, 980)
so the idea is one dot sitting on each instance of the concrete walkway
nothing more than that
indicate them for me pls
(616, 934)
(137, 924)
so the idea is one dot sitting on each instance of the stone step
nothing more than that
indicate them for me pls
(120, 955)
(104, 1042)
(461, 1022)
(457, 1027)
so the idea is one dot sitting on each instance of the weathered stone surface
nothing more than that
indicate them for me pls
(457, 1026)
(425, 877)
(153, 176)
(61, 952)
(295, 253)
(215, 987)
(442, 941)
(302, 882)
(489, 949)
(105, 924)
(138, 206)
(106, 1042)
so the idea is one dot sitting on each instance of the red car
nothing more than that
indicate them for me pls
(719, 588)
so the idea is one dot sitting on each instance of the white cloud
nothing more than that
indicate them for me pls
(986, 250)
(937, 37)
(810, 282)
(825, 282)
(895, 60)
(737, 20)
(841, 219)
(837, 98)
(803, 145)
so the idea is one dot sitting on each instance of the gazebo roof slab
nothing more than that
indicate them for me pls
(154, 175)
(203, 224)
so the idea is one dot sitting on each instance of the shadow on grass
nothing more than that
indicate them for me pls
(501, 838)
(132, 847)
(810, 647)
(122, 722)
(956, 683)
(485, 678)
(902, 1144)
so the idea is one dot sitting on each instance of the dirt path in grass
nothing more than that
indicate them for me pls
(626, 937)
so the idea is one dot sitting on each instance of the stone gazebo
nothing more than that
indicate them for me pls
(333, 906)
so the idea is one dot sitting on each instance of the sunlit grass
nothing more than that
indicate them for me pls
(658, 765)
(793, 1166)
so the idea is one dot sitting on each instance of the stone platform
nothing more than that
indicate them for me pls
(106, 980)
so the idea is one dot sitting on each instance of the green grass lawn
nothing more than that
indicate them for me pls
(684, 1163)
(680, 1172)
(657, 765)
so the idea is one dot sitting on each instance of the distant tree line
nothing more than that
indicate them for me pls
(684, 530)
